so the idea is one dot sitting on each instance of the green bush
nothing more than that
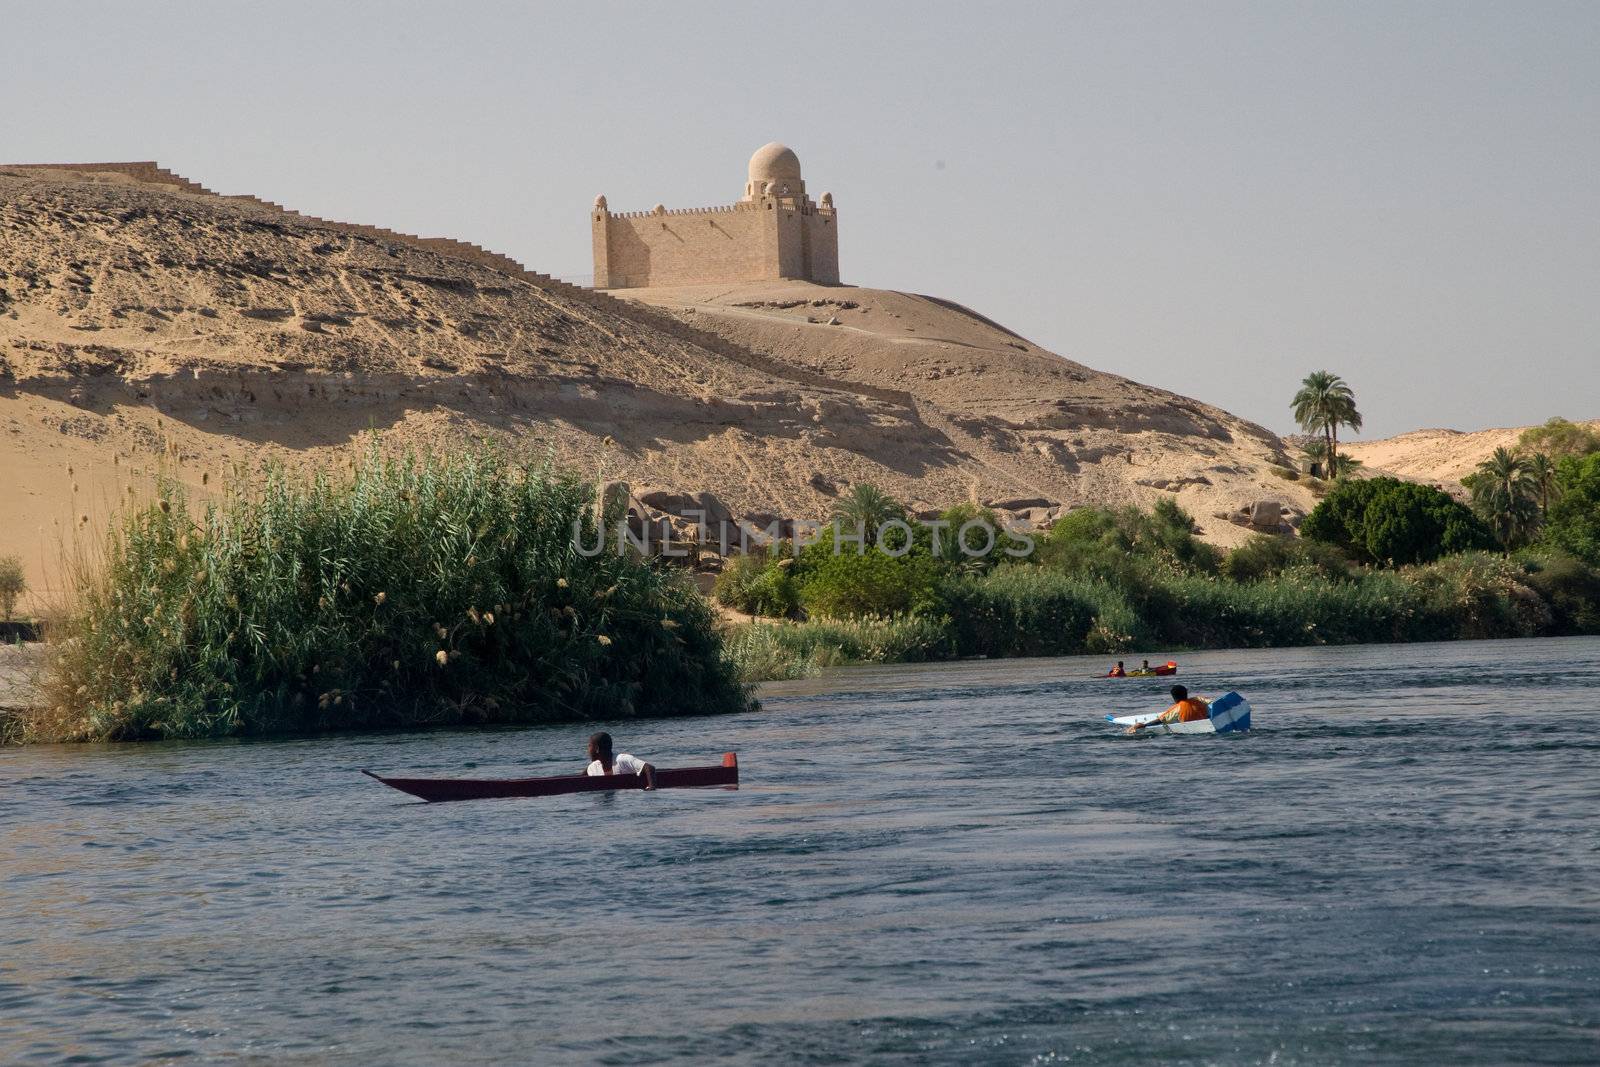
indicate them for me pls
(757, 584)
(1569, 585)
(844, 583)
(1124, 545)
(1573, 521)
(1480, 595)
(431, 590)
(12, 585)
(1018, 611)
(1387, 522)
(1266, 556)
(1558, 438)
(951, 548)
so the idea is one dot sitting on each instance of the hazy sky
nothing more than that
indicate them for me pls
(1216, 198)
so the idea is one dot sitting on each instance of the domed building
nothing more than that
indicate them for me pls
(775, 231)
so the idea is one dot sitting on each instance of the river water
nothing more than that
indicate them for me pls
(925, 864)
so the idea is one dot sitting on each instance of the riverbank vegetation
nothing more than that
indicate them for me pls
(402, 591)
(1380, 561)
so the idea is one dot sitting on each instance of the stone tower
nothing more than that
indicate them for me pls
(775, 231)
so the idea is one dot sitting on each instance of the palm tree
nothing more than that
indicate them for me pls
(1543, 471)
(1503, 491)
(1316, 455)
(1324, 403)
(868, 506)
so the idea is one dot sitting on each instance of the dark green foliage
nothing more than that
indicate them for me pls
(1569, 585)
(843, 583)
(867, 507)
(1124, 545)
(759, 584)
(1388, 522)
(1573, 521)
(1018, 611)
(1298, 608)
(439, 590)
(973, 553)
(1267, 556)
(1480, 595)
(1505, 495)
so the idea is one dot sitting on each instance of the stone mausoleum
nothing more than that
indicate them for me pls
(776, 231)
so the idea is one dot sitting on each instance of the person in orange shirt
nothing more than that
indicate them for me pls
(1117, 671)
(1185, 708)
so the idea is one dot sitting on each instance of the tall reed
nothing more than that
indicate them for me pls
(408, 590)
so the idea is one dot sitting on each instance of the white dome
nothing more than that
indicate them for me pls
(774, 162)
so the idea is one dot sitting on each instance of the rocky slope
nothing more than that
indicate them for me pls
(148, 326)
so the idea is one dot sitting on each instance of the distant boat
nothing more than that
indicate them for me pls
(1230, 713)
(435, 790)
(1169, 667)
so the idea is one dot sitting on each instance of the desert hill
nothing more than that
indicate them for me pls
(145, 321)
(1436, 457)
(1033, 423)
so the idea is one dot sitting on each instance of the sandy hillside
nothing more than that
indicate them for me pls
(1437, 457)
(1033, 423)
(146, 326)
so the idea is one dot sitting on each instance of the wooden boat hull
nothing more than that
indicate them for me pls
(436, 790)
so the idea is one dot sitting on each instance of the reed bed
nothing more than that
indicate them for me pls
(405, 590)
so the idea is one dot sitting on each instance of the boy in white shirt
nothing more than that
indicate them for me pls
(602, 761)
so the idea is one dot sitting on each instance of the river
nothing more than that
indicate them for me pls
(925, 864)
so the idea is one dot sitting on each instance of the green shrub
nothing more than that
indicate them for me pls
(951, 549)
(844, 583)
(1265, 556)
(431, 590)
(1387, 522)
(758, 584)
(1558, 438)
(1569, 585)
(12, 585)
(1018, 611)
(1120, 545)
(1573, 521)
(1480, 595)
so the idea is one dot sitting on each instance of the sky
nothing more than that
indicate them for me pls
(1215, 198)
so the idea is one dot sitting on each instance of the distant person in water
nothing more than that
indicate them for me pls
(1145, 666)
(1185, 708)
(1117, 671)
(603, 761)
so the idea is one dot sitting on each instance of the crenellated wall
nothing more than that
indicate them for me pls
(642, 248)
(775, 232)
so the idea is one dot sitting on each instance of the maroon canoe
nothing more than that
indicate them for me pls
(434, 790)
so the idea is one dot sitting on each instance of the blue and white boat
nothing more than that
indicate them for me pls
(1230, 713)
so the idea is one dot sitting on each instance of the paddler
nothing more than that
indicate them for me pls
(603, 761)
(1185, 708)
(1117, 671)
